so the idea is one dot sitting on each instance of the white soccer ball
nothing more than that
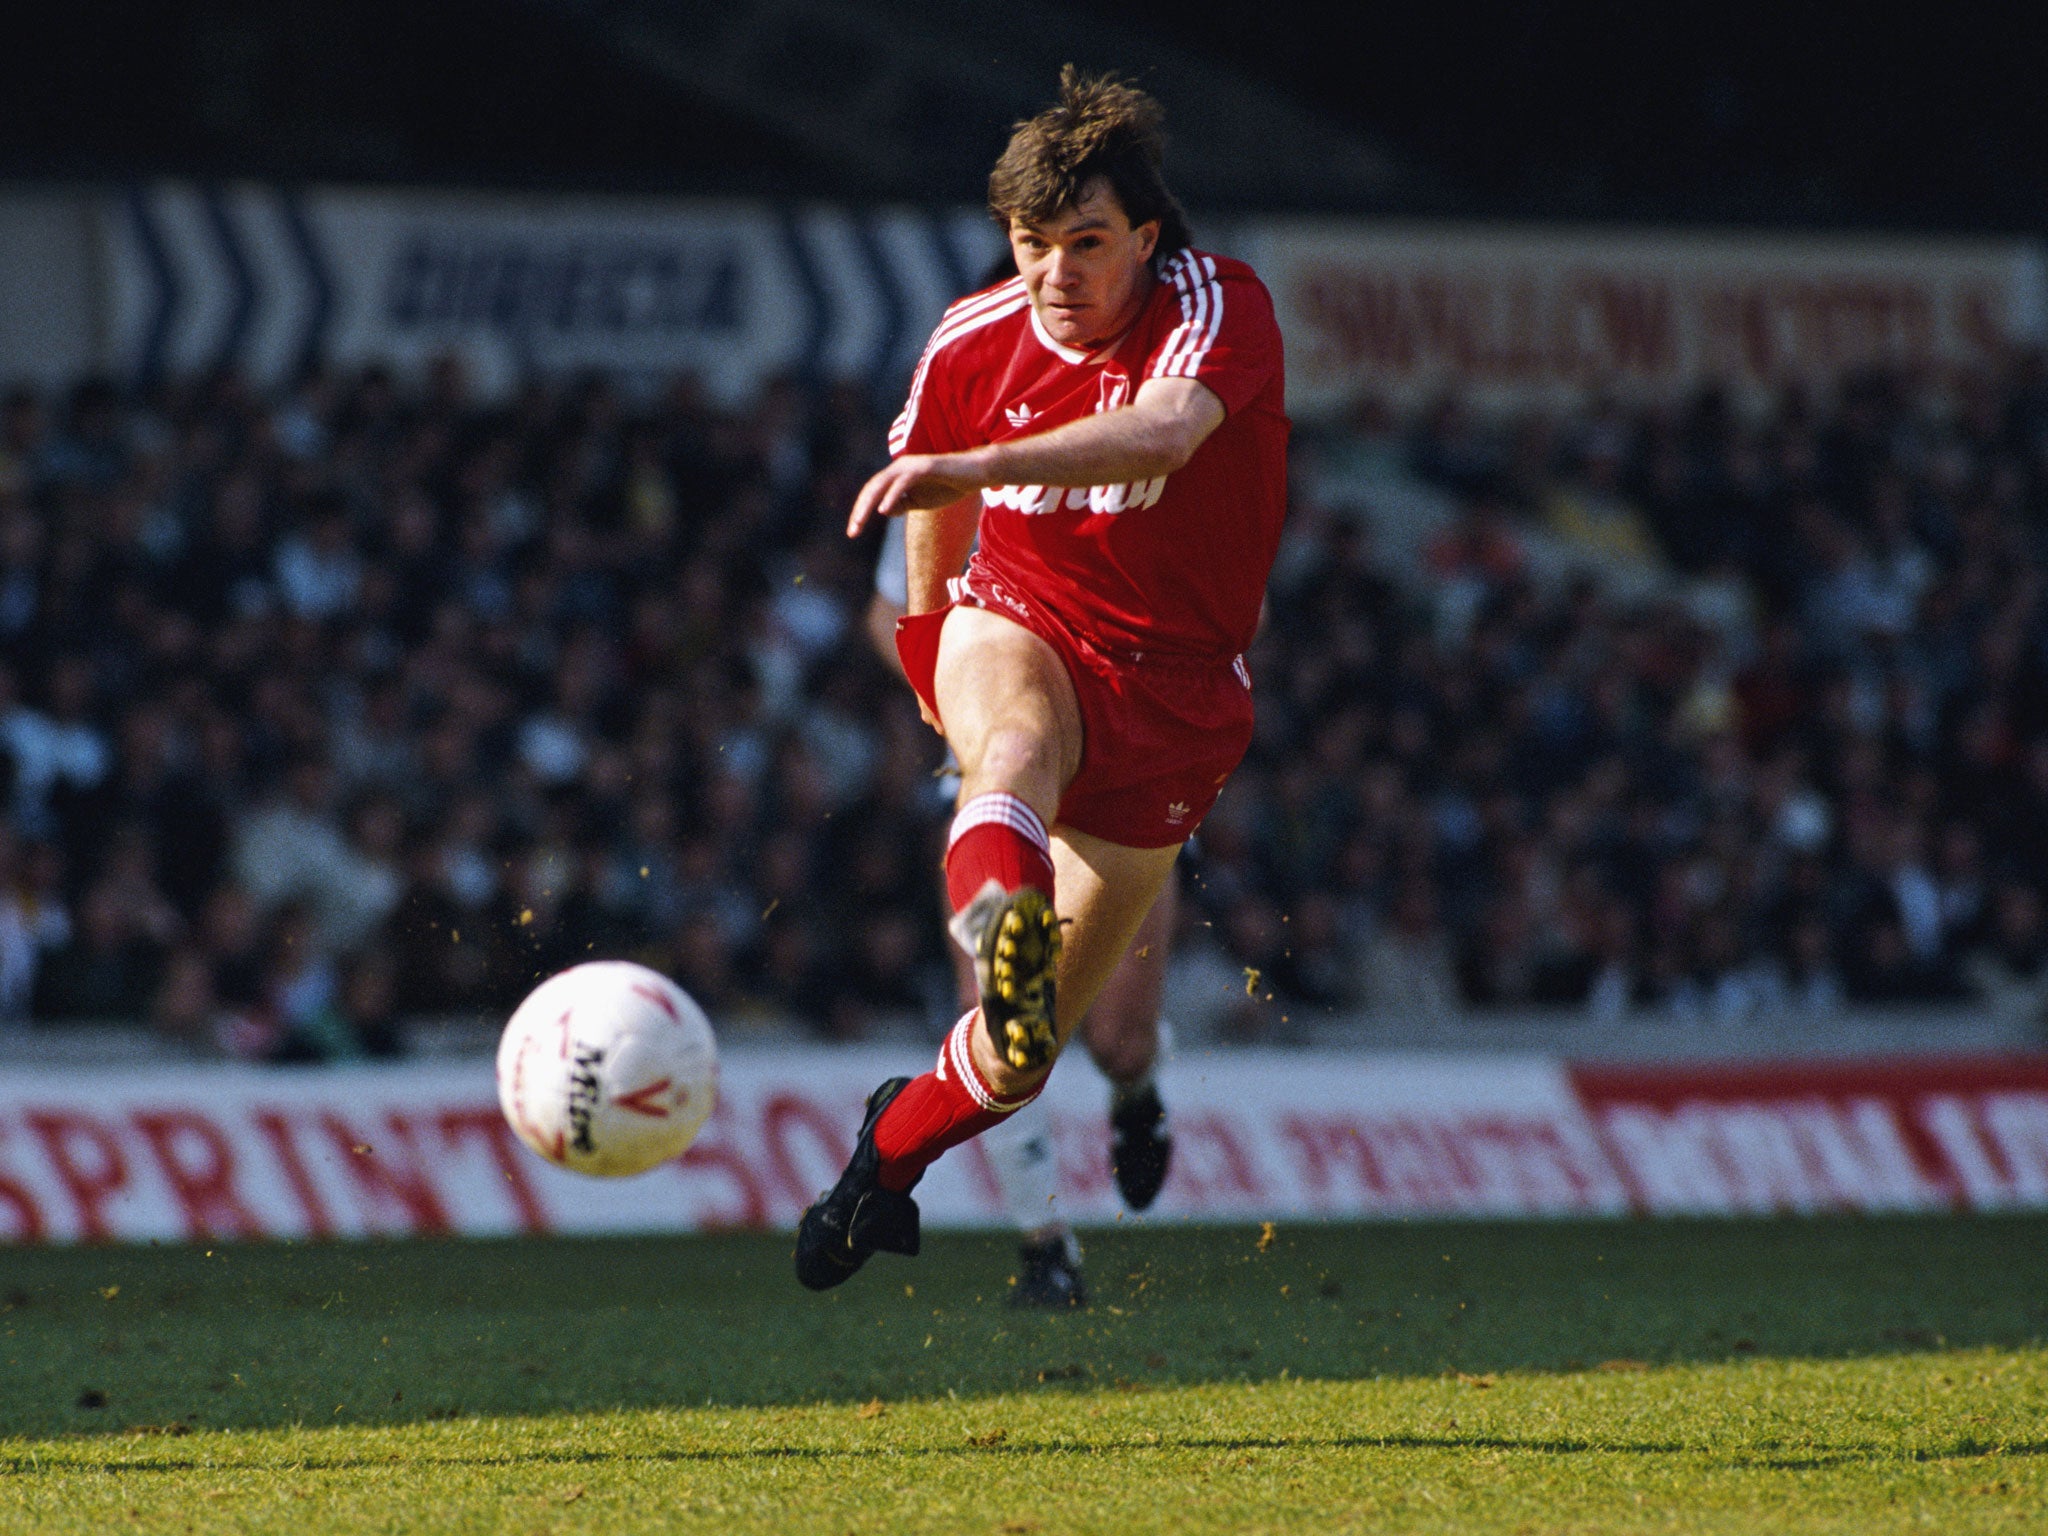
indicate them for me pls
(607, 1068)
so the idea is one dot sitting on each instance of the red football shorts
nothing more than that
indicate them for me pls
(1159, 735)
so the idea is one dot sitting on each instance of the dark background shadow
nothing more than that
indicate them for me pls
(174, 1338)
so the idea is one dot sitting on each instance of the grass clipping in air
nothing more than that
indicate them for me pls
(1846, 1377)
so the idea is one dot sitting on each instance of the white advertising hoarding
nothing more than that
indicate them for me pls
(269, 279)
(737, 292)
(213, 1153)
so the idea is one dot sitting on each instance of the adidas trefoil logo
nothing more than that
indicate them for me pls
(1177, 813)
(1020, 415)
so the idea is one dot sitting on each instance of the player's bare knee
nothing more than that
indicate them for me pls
(1122, 1043)
(1123, 1055)
(1019, 760)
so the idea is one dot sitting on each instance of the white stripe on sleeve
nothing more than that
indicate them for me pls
(1201, 307)
(969, 315)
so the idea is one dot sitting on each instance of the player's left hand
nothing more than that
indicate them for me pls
(917, 482)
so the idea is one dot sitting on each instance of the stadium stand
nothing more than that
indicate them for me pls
(329, 711)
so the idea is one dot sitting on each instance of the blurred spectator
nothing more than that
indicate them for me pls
(107, 969)
(1811, 980)
(2010, 971)
(291, 847)
(318, 570)
(32, 923)
(57, 752)
(186, 1007)
(1408, 971)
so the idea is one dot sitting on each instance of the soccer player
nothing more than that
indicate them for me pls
(1121, 1032)
(1112, 422)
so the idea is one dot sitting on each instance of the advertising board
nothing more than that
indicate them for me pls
(1518, 316)
(211, 1153)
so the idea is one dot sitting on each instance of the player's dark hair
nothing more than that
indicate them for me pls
(1101, 126)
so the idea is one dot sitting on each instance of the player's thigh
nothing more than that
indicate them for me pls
(1122, 1029)
(996, 681)
(1104, 891)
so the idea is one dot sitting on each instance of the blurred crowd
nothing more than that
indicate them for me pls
(326, 710)
(1713, 713)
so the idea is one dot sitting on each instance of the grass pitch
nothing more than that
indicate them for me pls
(1847, 1377)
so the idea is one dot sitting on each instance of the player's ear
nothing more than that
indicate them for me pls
(1148, 239)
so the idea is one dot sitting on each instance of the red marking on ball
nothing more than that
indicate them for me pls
(641, 1100)
(660, 1000)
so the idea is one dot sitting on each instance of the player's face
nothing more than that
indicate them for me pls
(1087, 269)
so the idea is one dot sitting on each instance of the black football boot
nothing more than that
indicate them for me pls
(1049, 1275)
(856, 1217)
(1139, 1148)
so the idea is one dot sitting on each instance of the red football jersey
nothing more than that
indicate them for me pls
(1173, 565)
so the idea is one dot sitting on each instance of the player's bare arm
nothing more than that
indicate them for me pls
(1155, 434)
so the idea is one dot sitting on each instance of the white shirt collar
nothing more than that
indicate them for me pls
(1064, 353)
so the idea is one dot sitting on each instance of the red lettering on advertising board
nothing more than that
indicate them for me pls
(67, 1135)
(1951, 1120)
(394, 1191)
(1542, 1166)
(1502, 318)
(781, 1115)
(2018, 1123)
(1451, 310)
(983, 1172)
(1406, 1163)
(1081, 1154)
(487, 1125)
(713, 1151)
(1638, 324)
(1798, 1156)
(1211, 1161)
(1491, 326)
(1997, 1142)
(198, 1164)
(28, 1225)
(278, 1131)
(1324, 1146)
(1771, 329)
(1357, 320)
(1869, 1136)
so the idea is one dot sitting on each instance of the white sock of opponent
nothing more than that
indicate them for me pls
(1020, 1153)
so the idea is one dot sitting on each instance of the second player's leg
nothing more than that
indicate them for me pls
(1122, 1034)
(1106, 892)
(1122, 1030)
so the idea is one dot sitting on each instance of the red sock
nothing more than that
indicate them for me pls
(996, 837)
(945, 1107)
